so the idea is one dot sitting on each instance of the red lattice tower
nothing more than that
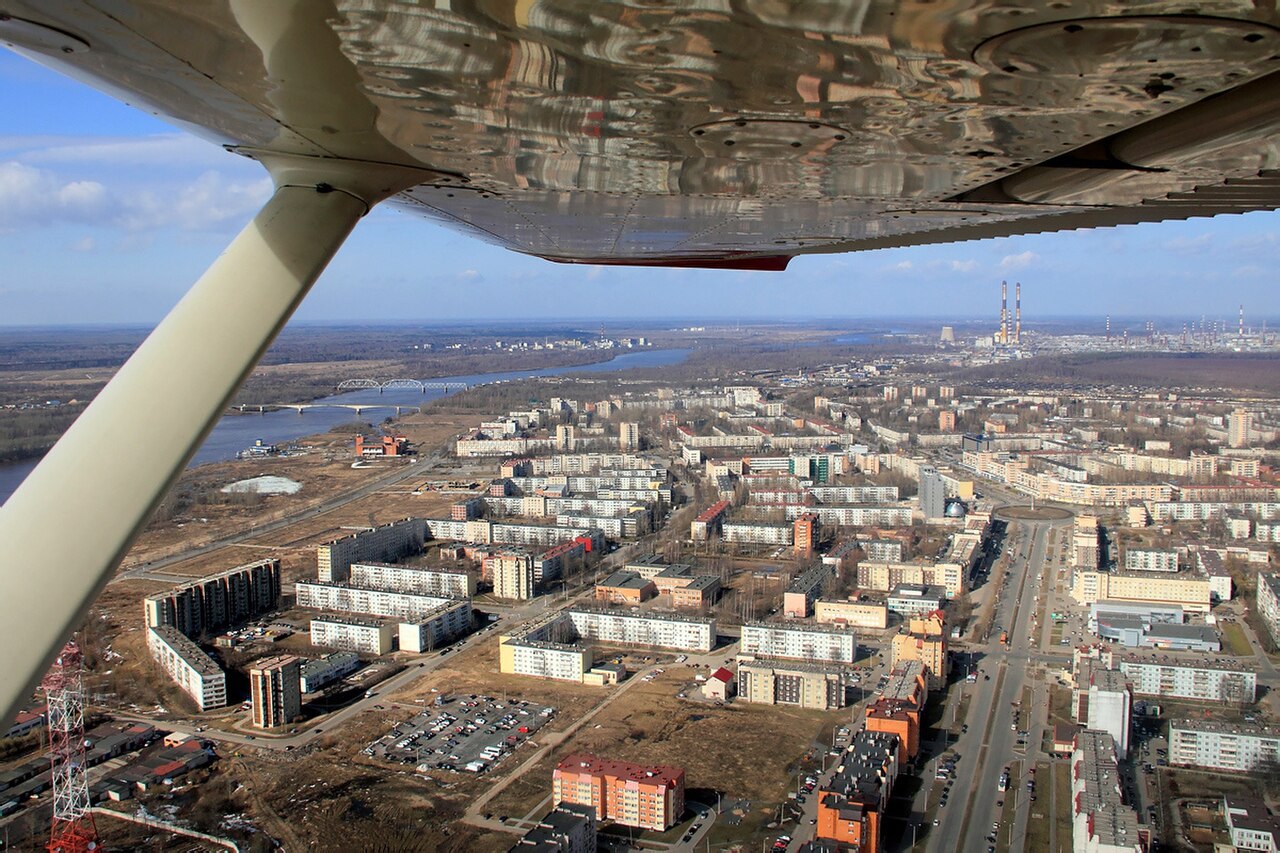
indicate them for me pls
(73, 829)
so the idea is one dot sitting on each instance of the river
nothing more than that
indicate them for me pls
(236, 432)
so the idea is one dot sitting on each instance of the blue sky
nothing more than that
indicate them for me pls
(107, 215)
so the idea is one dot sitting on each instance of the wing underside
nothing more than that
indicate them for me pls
(710, 133)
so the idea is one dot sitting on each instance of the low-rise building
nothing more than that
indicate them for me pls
(720, 685)
(568, 828)
(315, 674)
(352, 634)
(915, 599)
(189, 667)
(518, 655)
(1151, 559)
(642, 796)
(624, 587)
(858, 614)
(1250, 824)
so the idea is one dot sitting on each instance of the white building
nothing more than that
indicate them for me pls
(913, 599)
(437, 628)
(686, 633)
(189, 667)
(806, 642)
(1110, 706)
(539, 659)
(1151, 560)
(1268, 603)
(752, 533)
(447, 583)
(373, 602)
(366, 636)
(1200, 682)
(315, 674)
(388, 542)
(513, 576)
(1215, 746)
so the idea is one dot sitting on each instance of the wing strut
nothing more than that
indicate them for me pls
(71, 522)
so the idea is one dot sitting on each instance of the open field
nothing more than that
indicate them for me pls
(1237, 642)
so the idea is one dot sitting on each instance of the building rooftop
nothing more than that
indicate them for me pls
(649, 615)
(191, 654)
(787, 665)
(1216, 727)
(623, 579)
(355, 621)
(794, 627)
(655, 774)
(914, 590)
(273, 662)
(810, 579)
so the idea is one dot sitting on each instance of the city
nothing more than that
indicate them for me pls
(869, 605)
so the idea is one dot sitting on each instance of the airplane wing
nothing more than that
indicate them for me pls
(661, 132)
(707, 133)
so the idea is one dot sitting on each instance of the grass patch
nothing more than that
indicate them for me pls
(1062, 805)
(1237, 642)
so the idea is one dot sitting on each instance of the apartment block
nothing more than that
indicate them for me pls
(568, 828)
(366, 636)
(709, 521)
(275, 688)
(542, 659)
(379, 544)
(1196, 681)
(1250, 824)
(446, 583)
(1110, 706)
(372, 602)
(1209, 745)
(512, 575)
(773, 681)
(804, 642)
(884, 577)
(437, 628)
(642, 796)
(686, 633)
(190, 668)
(857, 614)
(315, 674)
(1151, 560)
(925, 642)
(218, 601)
(1101, 822)
(859, 515)
(899, 718)
(1268, 603)
(851, 807)
(1191, 592)
(803, 591)
(756, 533)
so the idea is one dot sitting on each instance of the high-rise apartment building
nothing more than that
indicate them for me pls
(629, 436)
(933, 494)
(1239, 422)
(276, 691)
(513, 576)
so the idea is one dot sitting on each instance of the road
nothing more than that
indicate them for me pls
(989, 745)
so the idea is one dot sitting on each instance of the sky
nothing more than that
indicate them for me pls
(108, 214)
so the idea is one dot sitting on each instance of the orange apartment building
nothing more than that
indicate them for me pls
(925, 641)
(646, 797)
(804, 534)
(898, 707)
(851, 806)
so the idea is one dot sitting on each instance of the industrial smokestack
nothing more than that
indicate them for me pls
(1108, 327)
(1242, 322)
(1004, 312)
(1017, 312)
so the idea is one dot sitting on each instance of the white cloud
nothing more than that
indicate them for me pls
(84, 244)
(166, 149)
(470, 275)
(1189, 245)
(31, 197)
(904, 266)
(964, 266)
(1019, 261)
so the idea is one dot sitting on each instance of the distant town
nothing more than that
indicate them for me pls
(868, 603)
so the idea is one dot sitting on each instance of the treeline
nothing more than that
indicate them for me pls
(28, 433)
(1242, 372)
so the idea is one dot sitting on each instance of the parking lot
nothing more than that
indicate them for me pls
(461, 733)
